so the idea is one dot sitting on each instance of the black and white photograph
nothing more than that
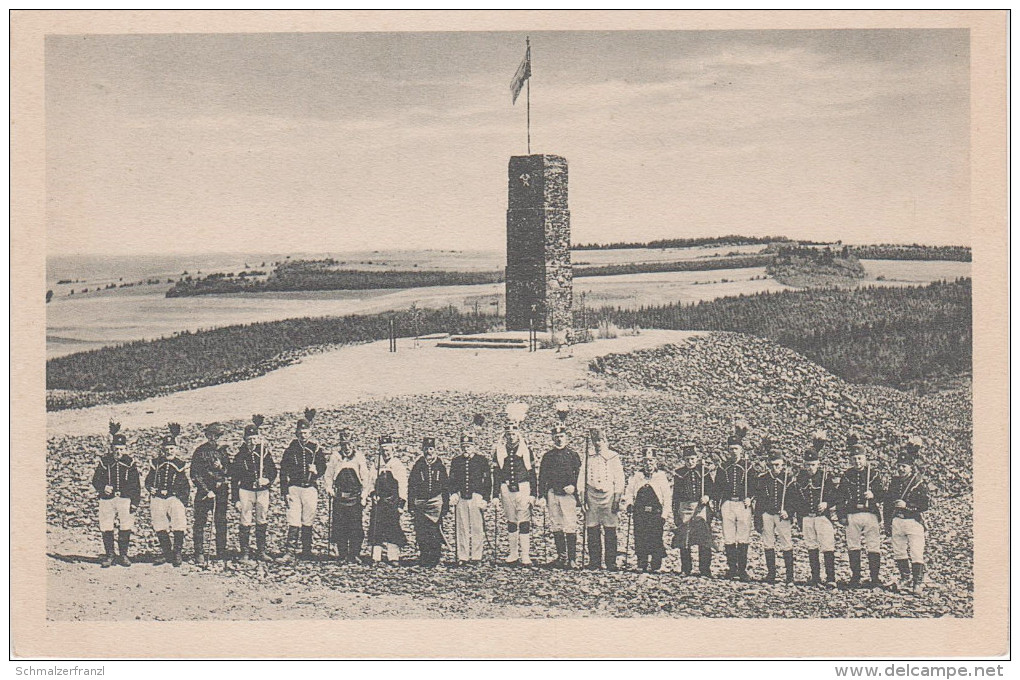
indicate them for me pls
(659, 325)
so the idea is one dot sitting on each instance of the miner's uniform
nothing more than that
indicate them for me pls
(733, 492)
(647, 500)
(558, 470)
(692, 517)
(905, 525)
(777, 494)
(117, 482)
(210, 473)
(167, 484)
(252, 464)
(302, 465)
(347, 479)
(428, 494)
(470, 491)
(516, 478)
(862, 518)
(816, 524)
(602, 485)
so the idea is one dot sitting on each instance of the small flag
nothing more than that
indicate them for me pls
(523, 73)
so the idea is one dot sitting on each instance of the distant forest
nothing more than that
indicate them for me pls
(891, 336)
(731, 240)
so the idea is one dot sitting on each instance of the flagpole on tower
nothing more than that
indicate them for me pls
(527, 41)
(521, 80)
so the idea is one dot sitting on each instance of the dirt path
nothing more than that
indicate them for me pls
(364, 372)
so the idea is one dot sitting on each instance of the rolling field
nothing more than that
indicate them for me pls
(108, 317)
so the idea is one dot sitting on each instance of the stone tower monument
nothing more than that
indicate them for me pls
(539, 280)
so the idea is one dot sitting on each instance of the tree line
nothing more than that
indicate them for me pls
(730, 240)
(875, 335)
(188, 360)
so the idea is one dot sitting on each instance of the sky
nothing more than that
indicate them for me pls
(330, 142)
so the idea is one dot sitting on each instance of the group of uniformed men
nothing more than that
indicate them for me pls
(740, 493)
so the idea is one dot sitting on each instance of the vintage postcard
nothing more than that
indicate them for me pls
(509, 334)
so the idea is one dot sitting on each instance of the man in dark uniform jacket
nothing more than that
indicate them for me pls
(389, 498)
(167, 483)
(905, 504)
(210, 473)
(117, 482)
(516, 479)
(692, 486)
(428, 495)
(821, 495)
(557, 487)
(470, 491)
(301, 466)
(778, 499)
(861, 492)
(252, 474)
(733, 492)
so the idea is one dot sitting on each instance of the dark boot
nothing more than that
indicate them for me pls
(788, 563)
(306, 542)
(290, 544)
(221, 544)
(830, 566)
(260, 541)
(905, 584)
(855, 568)
(918, 572)
(731, 560)
(642, 562)
(561, 549)
(595, 548)
(874, 567)
(705, 561)
(816, 567)
(244, 536)
(108, 544)
(770, 566)
(742, 562)
(571, 550)
(686, 561)
(655, 563)
(124, 541)
(178, 548)
(611, 548)
(198, 538)
(165, 548)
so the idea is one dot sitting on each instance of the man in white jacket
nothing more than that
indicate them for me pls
(601, 487)
(347, 483)
(647, 502)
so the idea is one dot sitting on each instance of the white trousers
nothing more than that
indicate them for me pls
(167, 514)
(116, 510)
(470, 536)
(254, 502)
(736, 522)
(819, 534)
(907, 539)
(516, 504)
(301, 505)
(776, 533)
(862, 530)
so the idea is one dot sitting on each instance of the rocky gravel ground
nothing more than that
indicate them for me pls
(686, 391)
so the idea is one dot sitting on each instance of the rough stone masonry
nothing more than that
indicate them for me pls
(539, 279)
